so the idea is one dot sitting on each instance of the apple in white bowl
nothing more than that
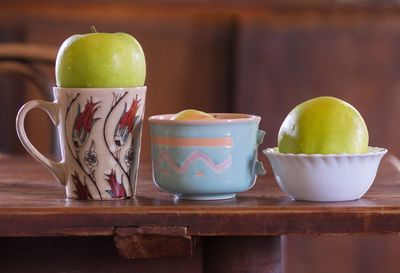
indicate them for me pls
(323, 152)
(323, 125)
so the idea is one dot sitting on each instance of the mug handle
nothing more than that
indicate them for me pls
(52, 109)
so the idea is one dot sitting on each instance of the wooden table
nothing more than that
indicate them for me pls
(42, 231)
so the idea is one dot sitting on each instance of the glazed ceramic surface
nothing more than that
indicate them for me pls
(100, 134)
(206, 160)
(317, 177)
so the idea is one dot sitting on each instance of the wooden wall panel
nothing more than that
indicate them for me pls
(11, 97)
(283, 61)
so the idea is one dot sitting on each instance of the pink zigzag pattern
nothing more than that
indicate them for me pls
(193, 156)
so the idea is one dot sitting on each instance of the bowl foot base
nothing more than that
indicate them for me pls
(204, 197)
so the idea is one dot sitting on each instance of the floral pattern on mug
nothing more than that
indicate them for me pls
(126, 123)
(84, 122)
(91, 156)
(129, 157)
(117, 189)
(82, 190)
(99, 132)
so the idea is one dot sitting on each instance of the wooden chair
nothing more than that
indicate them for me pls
(20, 62)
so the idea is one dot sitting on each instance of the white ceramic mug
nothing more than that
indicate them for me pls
(99, 133)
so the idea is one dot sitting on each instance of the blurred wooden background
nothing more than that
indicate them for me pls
(254, 56)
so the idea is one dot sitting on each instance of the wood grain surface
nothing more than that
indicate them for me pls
(32, 203)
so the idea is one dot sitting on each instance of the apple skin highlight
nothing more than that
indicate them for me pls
(323, 125)
(100, 60)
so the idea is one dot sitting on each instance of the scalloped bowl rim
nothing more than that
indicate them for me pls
(371, 151)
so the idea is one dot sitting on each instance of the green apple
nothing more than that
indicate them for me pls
(323, 125)
(191, 114)
(100, 60)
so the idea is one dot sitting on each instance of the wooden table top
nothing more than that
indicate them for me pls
(32, 203)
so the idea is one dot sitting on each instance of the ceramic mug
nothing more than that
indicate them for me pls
(99, 132)
(206, 159)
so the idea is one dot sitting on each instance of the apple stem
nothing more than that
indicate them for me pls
(93, 29)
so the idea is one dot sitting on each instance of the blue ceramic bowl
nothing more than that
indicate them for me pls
(206, 159)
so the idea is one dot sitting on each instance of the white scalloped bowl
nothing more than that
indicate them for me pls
(325, 178)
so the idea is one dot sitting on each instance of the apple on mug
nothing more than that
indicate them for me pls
(100, 60)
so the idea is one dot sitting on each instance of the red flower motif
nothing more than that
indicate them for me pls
(84, 123)
(126, 122)
(82, 190)
(117, 189)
